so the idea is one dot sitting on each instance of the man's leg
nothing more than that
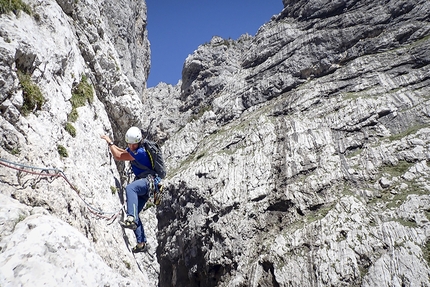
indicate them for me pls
(140, 231)
(133, 191)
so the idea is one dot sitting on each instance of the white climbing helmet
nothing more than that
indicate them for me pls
(133, 135)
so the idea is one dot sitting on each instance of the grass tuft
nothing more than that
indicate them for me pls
(62, 151)
(7, 6)
(70, 129)
(33, 98)
(81, 94)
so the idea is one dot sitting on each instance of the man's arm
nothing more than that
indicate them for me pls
(117, 152)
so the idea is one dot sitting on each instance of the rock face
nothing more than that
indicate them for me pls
(126, 24)
(43, 251)
(65, 229)
(305, 161)
(296, 157)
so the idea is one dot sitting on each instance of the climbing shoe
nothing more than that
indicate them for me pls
(137, 248)
(157, 194)
(129, 223)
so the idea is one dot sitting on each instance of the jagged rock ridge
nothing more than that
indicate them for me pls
(296, 157)
(306, 156)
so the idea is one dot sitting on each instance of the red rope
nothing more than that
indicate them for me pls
(23, 170)
(93, 210)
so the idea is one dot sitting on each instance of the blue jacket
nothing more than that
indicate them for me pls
(141, 165)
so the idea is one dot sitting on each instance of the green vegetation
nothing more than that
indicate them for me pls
(62, 151)
(81, 94)
(393, 200)
(37, 17)
(363, 270)
(396, 170)
(7, 6)
(33, 98)
(319, 213)
(395, 196)
(148, 205)
(113, 189)
(427, 214)
(426, 251)
(70, 129)
(20, 218)
(354, 153)
(418, 42)
(406, 223)
(226, 42)
(127, 264)
(409, 131)
(73, 116)
(14, 151)
(355, 95)
(200, 156)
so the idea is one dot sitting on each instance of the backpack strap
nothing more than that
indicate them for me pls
(150, 157)
(146, 170)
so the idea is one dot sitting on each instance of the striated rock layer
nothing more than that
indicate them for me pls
(296, 157)
(305, 159)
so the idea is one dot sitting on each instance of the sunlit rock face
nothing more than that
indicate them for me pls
(61, 192)
(298, 156)
(305, 159)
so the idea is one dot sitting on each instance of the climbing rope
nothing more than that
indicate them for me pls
(59, 173)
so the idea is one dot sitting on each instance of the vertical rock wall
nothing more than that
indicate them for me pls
(296, 157)
(64, 229)
(305, 158)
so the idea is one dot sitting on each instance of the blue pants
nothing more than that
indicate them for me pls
(137, 196)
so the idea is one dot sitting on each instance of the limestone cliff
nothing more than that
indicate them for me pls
(305, 159)
(296, 157)
(65, 81)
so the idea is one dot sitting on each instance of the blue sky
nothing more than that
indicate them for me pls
(177, 27)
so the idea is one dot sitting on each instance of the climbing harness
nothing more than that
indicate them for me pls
(54, 173)
(155, 187)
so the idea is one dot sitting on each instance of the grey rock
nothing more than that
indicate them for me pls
(317, 140)
(296, 157)
(126, 25)
(81, 192)
(42, 250)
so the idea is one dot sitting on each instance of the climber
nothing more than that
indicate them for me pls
(139, 190)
